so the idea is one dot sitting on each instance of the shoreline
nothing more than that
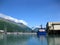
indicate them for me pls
(17, 33)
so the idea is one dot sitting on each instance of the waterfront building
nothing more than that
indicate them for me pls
(53, 27)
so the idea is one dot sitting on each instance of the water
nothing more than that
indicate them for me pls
(29, 39)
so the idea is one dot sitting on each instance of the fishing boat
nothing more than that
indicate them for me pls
(41, 32)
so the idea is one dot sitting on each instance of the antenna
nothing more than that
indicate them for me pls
(41, 26)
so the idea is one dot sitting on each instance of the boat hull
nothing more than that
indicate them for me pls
(41, 33)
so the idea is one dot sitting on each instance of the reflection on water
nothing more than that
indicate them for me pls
(29, 40)
(53, 40)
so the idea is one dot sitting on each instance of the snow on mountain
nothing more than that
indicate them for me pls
(12, 19)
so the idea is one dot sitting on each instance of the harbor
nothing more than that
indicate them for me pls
(29, 22)
(37, 36)
(52, 28)
(24, 39)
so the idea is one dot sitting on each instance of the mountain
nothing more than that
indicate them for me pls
(13, 19)
(13, 26)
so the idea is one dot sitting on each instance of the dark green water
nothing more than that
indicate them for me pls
(29, 40)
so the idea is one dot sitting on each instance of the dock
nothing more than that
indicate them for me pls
(53, 27)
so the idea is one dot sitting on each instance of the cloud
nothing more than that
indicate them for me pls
(12, 19)
(22, 21)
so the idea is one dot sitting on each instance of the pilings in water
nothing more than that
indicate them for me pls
(53, 32)
(53, 28)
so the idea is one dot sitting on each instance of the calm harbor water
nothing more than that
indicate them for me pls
(28, 39)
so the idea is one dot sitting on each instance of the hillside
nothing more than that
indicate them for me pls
(12, 26)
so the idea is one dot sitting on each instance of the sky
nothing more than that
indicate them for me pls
(34, 12)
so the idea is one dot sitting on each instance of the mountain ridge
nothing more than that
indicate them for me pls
(13, 26)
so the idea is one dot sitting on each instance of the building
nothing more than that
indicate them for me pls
(53, 27)
(1, 31)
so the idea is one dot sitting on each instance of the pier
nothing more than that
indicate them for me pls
(53, 27)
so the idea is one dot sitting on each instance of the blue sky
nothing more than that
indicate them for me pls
(34, 12)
